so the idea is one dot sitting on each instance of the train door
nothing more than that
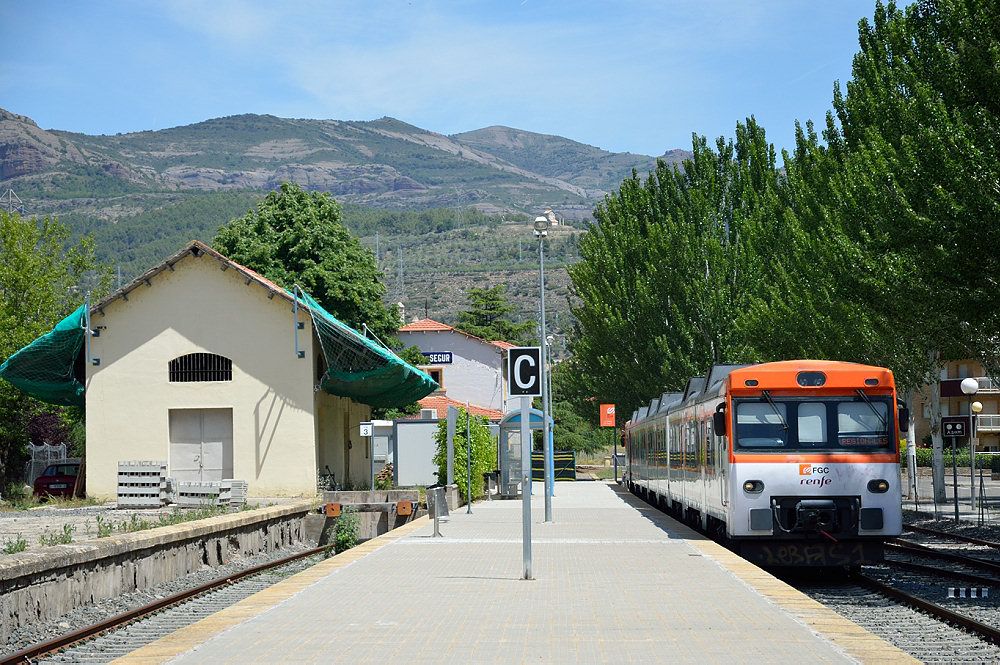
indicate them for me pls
(722, 464)
(703, 470)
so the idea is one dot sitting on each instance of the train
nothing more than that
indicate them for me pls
(790, 463)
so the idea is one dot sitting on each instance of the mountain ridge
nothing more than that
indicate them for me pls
(144, 194)
(383, 163)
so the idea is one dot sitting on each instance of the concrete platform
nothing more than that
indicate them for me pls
(615, 581)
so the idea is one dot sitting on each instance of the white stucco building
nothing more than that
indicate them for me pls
(467, 368)
(210, 366)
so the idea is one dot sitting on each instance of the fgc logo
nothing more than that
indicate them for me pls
(814, 475)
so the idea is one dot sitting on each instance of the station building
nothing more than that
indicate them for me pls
(208, 365)
(467, 369)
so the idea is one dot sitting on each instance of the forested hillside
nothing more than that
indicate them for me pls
(443, 212)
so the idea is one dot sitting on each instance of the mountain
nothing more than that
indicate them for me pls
(383, 163)
(144, 194)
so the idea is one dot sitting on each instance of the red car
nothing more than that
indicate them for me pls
(57, 480)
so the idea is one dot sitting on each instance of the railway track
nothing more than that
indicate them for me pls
(111, 638)
(932, 598)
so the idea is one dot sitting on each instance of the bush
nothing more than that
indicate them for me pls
(484, 452)
(345, 531)
(983, 461)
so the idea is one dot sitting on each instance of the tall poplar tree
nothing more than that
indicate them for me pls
(920, 131)
(668, 268)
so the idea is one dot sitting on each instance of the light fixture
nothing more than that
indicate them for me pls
(969, 385)
(541, 226)
(878, 486)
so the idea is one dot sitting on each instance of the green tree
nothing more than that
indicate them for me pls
(668, 268)
(43, 278)
(573, 431)
(297, 237)
(918, 134)
(489, 318)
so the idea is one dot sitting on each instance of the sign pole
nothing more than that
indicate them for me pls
(468, 460)
(954, 427)
(954, 476)
(526, 484)
(524, 370)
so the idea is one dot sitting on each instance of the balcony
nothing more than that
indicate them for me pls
(953, 387)
(987, 423)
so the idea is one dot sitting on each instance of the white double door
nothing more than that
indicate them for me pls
(201, 444)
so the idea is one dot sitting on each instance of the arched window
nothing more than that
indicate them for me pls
(201, 367)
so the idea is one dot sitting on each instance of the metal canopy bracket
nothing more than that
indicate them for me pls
(299, 325)
(90, 332)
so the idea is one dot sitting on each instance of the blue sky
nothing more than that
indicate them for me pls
(636, 75)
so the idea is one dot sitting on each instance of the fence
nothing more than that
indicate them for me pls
(41, 457)
(563, 465)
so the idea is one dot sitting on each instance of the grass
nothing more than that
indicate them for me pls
(25, 501)
(19, 544)
(64, 537)
(105, 527)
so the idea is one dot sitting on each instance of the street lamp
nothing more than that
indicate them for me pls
(542, 230)
(970, 387)
(974, 409)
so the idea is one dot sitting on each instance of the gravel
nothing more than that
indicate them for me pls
(922, 636)
(82, 617)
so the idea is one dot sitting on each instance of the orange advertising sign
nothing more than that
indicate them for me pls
(607, 415)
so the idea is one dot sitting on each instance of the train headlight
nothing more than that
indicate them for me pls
(878, 486)
(753, 486)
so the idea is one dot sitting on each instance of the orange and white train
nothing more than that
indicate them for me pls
(793, 463)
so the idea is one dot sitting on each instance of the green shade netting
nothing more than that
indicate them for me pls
(45, 368)
(360, 369)
(356, 367)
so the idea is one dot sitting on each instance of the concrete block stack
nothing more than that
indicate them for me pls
(142, 484)
(234, 492)
(195, 493)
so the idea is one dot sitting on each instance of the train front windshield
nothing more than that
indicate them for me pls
(841, 424)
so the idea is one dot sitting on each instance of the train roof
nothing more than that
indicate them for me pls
(784, 374)
(667, 400)
(693, 387)
(653, 407)
(696, 386)
(717, 373)
(700, 385)
(778, 375)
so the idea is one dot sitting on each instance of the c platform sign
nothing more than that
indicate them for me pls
(524, 369)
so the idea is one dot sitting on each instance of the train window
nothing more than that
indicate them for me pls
(761, 424)
(812, 423)
(863, 423)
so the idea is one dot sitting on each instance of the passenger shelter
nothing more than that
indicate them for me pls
(210, 366)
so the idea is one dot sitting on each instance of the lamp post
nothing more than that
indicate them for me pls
(970, 387)
(542, 230)
(974, 409)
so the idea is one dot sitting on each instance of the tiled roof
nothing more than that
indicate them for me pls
(441, 404)
(426, 325)
(430, 325)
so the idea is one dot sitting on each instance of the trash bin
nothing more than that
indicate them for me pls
(437, 505)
